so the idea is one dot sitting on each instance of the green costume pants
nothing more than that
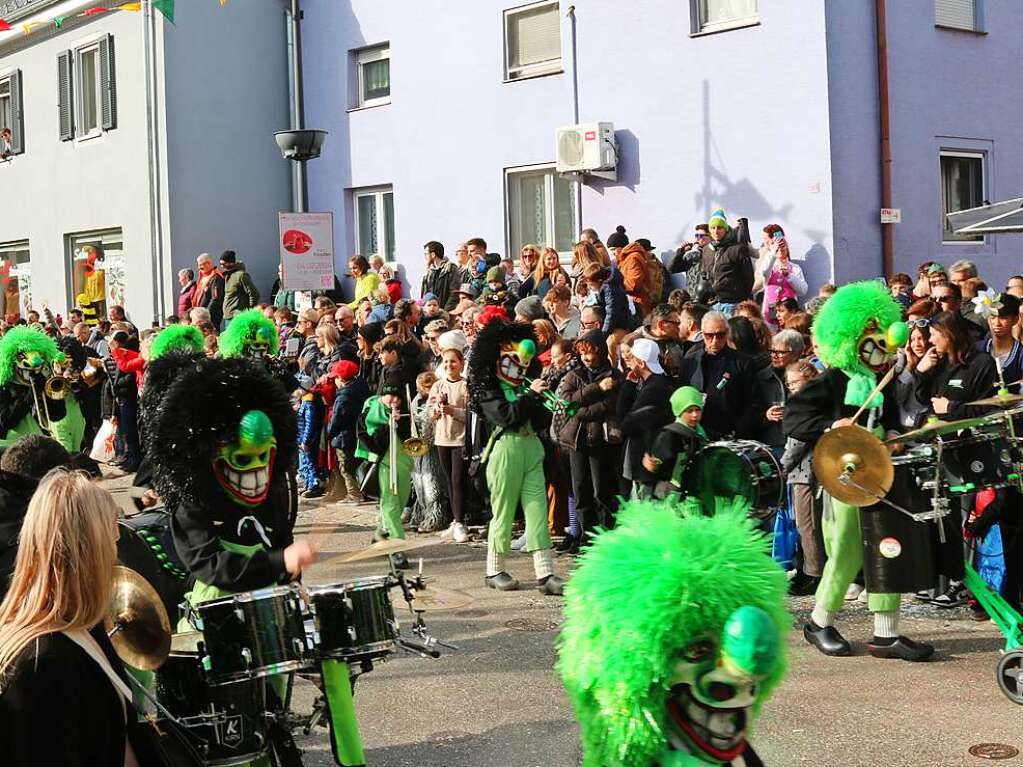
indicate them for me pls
(514, 475)
(843, 543)
(392, 505)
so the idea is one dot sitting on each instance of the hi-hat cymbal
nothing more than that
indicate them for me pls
(137, 621)
(999, 400)
(854, 451)
(934, 429)
(435, 599)
(385, 548)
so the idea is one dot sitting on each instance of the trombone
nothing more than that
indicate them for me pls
(552, 401)
(414, 447)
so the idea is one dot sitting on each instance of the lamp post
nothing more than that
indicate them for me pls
(300, 145)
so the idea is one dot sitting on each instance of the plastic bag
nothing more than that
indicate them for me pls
(103, 444)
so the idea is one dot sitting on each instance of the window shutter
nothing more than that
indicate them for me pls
(958, 14)
(65, 97)
(17, 115)
(534, 36)
(108, 83)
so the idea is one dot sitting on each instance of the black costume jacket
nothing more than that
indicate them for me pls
(811, 411)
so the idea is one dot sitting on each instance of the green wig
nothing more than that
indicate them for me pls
(185, 337)
(840, 322)
(666, 576)
(23, 339)
(249, 325)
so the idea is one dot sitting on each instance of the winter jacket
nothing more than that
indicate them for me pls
(185, 299)
(973, 378)
(730, 266)
(344, 415)
(779, 285)
(813, 409)
(728, 379)
(443, 281)
(240, 291)
(613, 300)
(449, 430)
(772, 390)
(364, 288)
(596, 406)
(643, 408)
(632, 263)
(130, 362)
(671, 352)
(211, 297)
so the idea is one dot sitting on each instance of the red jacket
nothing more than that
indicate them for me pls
(130, 362)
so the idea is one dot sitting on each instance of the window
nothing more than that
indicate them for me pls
(532, 41)
(11, 116)
(374, 222)
(83, 280)
(87, 90)
(541, 209)
(962, 188)
(374, 75)
(15, 278)
(715, 15)
(957, 14)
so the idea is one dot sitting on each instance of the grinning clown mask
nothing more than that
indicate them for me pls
(244, 467)
(514, 360)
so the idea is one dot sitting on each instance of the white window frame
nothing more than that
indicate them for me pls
(701, 28)
(978, 19)
(79, 91)
(114, 265)
(549, 169)
(378, 192)
(977, 239)
(365, 56)
(541, 68)
(6, 80)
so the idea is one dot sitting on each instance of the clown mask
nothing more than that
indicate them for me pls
(244, 467)
(257, 345)
(514, 361)
(876, 350)
(31, 366)
(715, 685)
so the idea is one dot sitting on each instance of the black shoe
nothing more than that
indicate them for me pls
(803, 585)
(901, 648)
(551, 586)
(502, 582)
(567, 543)
(826, 639)
(954, 596)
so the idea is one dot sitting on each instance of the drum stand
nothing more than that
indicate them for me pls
(939, 504)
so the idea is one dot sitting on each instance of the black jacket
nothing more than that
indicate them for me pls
(730, 267)
(345, 414)
(643, 408)
(772, 390)
(973, 378)
(581, 387)
(444, 283)
(15, 493)
(813, 409)
(732, 404)
(213, 299)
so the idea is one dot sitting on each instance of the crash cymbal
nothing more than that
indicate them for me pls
(385, 548)
(854, 451)
(137, 621)
(435, 599)
(999, 400)
(935, 428)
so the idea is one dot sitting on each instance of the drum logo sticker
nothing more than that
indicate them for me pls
(890, 548)
(977, 467)
(233, 732)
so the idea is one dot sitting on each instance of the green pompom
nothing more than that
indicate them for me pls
(897, 335)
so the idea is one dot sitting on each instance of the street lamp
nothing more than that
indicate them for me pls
(300, 145)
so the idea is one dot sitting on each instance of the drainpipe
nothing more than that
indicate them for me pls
(575, 115)
(153, 151)
(887, 230)
(293, 17)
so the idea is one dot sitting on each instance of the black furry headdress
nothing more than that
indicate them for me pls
(482, 378)
(199, 410)
(160, 374)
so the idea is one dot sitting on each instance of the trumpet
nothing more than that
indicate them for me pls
(553, 402)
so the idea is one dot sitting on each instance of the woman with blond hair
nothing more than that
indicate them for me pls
(584, 254)
(542, 279)
(58, 704)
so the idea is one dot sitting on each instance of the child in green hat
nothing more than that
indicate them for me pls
(670, 463)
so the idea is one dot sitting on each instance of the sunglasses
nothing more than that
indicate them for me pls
(922, 323)
(945, 300)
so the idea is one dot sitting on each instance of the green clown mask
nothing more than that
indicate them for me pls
(29, 366)
(514, 361)
(244, 467)
(258, 345)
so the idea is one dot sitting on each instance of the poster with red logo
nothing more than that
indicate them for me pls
(307, 251)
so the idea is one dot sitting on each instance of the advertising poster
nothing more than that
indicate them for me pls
(307, 251)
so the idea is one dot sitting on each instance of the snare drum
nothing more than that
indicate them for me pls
(978, 461)
(147, 547)
(227, 720)
(746, 469)
(354, 619)
(254, 634)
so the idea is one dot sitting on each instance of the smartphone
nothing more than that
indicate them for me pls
(778, 235)
(292, 346)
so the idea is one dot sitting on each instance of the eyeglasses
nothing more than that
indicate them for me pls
(588, 324)
(700, 235)
(924, 322)
(777, 352)
(721, 334)
(944, 299)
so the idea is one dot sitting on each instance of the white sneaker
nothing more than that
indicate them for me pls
(458, 532)
(853, 592)
(448, 533)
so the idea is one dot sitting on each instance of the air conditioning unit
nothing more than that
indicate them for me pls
(586, 148)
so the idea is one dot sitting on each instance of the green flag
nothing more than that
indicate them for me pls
(166, 7)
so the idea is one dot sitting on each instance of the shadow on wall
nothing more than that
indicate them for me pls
(628, 165)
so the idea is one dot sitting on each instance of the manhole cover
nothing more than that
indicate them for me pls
(531, 624)
(993, 751)
(448, 737)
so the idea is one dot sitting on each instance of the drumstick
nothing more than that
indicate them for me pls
(880, 385)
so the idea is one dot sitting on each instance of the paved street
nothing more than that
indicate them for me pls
(496, 701)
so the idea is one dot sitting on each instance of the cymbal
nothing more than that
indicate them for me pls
(435, 599)
(385, 548)
(137, 621)
(999, 400)
(863, 457)
(933, 429)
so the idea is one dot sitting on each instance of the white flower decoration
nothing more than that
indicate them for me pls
(987, 303)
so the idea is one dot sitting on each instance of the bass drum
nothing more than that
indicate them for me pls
(745, 469)
(146, 546)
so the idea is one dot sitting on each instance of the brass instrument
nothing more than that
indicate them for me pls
(553, 402)
(415, 446)
(392, 451)
(56, 387)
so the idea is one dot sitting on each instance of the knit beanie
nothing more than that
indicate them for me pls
(684, 398)
(495, 274)
(618, 238)
(346, 370)
(453, 339)
(718, 218)
(530, 308)
(372, 332)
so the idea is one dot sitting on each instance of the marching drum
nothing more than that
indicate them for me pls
(146, 546)
(354, 620)
(979, 460)
(746, 469)
(227, 719)
(254, 634)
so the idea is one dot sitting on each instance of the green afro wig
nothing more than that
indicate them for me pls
(248, 326)
(184, 337)
(840, 322)
(666, 576)
(20, 340)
